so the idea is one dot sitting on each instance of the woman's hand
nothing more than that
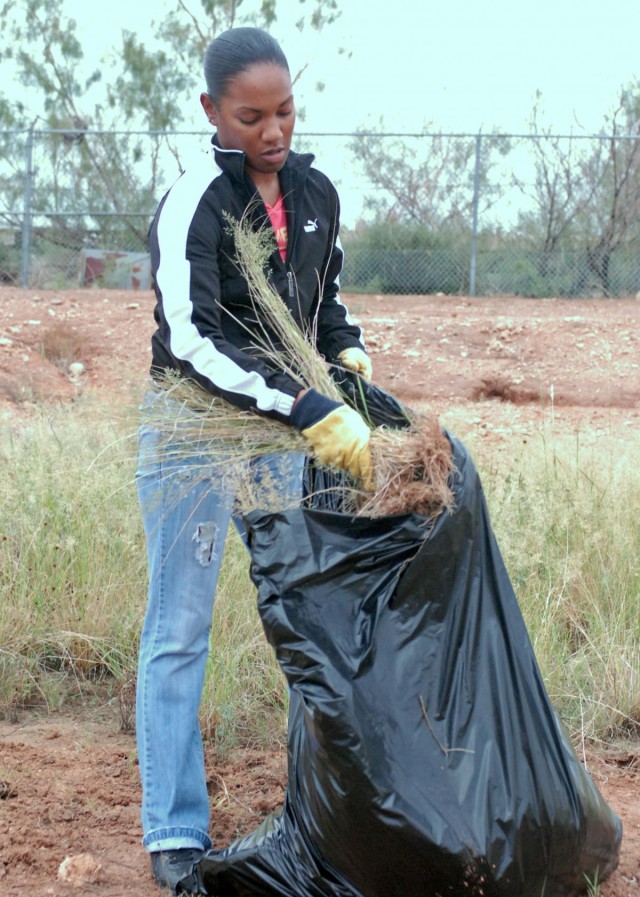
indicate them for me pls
(354, 359)
(338, 436)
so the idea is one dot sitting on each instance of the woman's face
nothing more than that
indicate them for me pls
(256, 114)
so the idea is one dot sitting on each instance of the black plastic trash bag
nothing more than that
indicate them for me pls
(425, 757)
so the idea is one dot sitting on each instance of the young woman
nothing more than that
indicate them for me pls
(205, 321)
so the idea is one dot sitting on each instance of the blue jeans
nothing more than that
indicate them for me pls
(186, 505)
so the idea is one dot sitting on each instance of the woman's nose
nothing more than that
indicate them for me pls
(272, 130)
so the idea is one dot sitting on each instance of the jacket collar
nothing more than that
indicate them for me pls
(232, 161)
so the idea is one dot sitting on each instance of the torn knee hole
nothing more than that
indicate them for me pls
(205, 539)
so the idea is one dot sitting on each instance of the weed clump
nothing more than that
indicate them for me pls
(63, 346)
(412, 464)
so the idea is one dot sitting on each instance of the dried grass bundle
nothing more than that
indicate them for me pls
(295, 353)
(412, 470)
(412, 466)
(189, 414)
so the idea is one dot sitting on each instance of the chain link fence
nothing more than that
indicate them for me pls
(532, 214)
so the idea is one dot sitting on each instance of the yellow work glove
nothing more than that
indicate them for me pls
(338, 436)
(354, 359)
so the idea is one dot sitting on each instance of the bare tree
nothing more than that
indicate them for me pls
(585, 193)
(81, 169)
(612, 222)
(427, 179)
(559, 191)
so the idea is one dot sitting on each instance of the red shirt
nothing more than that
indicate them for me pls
(278, 218)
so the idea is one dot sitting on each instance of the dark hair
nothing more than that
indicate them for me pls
(233, 52)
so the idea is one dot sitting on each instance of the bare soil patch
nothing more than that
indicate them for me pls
(581, 357)
(69, 781)
(73, 791)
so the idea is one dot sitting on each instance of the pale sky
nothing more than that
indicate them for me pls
(463, 65)
(456, 65)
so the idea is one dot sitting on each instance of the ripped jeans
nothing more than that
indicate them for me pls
(186, 505)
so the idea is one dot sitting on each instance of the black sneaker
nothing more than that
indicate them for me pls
(168, 867)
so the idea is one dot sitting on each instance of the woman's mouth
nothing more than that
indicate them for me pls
(277, 154)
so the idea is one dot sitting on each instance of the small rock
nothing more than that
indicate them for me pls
(81, 869)
(76, 369)
(6, 791)
(5, 341)
(57, 300)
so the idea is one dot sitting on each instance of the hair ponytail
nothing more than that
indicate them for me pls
(233, 52)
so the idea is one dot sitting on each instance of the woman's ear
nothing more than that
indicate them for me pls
(209, 108)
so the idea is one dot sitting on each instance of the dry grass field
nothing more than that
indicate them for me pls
(503, 368)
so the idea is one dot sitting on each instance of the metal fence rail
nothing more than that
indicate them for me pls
(529, 214)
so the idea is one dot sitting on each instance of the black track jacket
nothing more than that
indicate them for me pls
(203, 306)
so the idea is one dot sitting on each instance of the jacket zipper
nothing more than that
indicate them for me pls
(290, 282)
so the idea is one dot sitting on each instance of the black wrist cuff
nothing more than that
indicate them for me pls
(311, 408)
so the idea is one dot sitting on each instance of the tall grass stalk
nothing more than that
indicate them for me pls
(73, 582)
(73, 578)
(71, 562)
(567, 521)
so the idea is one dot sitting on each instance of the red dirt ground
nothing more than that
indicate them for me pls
(506, 366)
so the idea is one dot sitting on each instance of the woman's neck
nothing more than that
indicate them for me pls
(268, 187)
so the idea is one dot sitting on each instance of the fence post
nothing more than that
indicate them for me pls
(474, 220)
(25, 258)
